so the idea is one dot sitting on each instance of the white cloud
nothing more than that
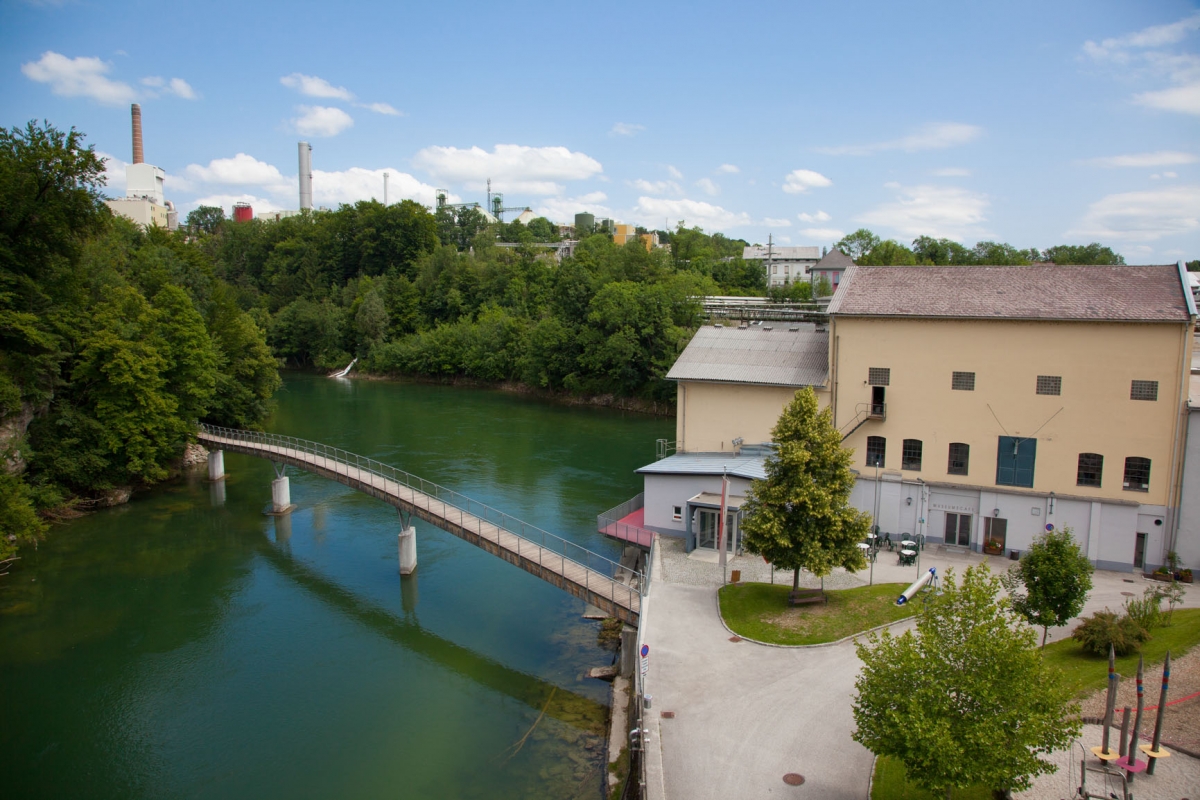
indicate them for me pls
(354, 184)
(626, 129)
(321, 121)
(799, 181)
(935, 136)
(1154, 36)
(656, 187)
(176, 86)
(241, 170)
(1183, 99)
(728, 169)
(820, 216)
(382, 108)
(650, 210)
(952, 172)
(79, 77)
(313, 86)
(824, 234)
(1143, 216)
(564, 209)
(512, 167)
(674, 173)
(708, 187)
(1161, 158)
(772, 222)
(938, 211)
(226, 200)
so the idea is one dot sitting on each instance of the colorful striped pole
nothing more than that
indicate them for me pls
(1155, 752)
(1103, 752)
(1133, 766)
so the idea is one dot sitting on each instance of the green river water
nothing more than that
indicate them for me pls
(188, 646)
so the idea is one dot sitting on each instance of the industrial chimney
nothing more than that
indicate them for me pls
(305, 176)
(138, 156)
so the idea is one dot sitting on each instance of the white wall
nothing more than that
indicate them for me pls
(1187, 541)
(665, 491)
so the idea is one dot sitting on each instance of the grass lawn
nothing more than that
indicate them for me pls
(1085, 673)
(892, 784)
(761, 611)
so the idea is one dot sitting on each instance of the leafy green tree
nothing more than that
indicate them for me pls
(1003, 254)
(205, 219)
(966, 700)
(942, 252)
(1050, 583)
(19, 522)
(1093, 253)
(858, 244)
(824, 288)
(371, 320)
(1193, 266)
(247, 375)
(190, 369)
(800, 516)
(888, 253)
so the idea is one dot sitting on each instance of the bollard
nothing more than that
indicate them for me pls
(407, 545)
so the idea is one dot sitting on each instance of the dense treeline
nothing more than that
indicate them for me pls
(379, 284)
(868, 249)
(114, 342)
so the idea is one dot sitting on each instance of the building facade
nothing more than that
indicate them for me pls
(783, 264)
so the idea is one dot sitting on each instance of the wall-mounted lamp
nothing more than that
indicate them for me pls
(995, 512)
(908, 501)
(1051, 502)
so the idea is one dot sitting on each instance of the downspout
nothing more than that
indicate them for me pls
(833, 400)
(680, 446)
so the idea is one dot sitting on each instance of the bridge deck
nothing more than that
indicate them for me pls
(608, 592)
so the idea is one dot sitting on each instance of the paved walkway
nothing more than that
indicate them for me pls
(747, 714)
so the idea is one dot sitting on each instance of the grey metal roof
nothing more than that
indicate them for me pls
(751, 467)
(834, 259)
(781, 354)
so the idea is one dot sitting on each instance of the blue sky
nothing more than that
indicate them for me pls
(1036, 123)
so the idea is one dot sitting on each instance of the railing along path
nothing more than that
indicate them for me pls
(590, 576)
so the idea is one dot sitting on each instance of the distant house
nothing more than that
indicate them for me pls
(831, 267)
(783, 264)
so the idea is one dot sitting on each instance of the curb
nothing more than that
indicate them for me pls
(843, 640)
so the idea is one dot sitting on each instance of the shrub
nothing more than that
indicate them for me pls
(1147, 612)
(1105, 628)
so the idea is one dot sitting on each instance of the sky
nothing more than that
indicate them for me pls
(1035, 123)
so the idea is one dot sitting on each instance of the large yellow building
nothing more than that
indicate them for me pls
(983, 404)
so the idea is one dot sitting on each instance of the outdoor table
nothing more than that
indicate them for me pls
(908, 543)
(863, 546)
(907, 556)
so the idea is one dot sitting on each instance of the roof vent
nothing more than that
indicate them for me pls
(794, 328)
(743, 327)
(718, 325)
(767, 328)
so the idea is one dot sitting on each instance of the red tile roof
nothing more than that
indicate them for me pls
(1037, 291)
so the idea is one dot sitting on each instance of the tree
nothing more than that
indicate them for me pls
(1093, 253)
(1193, 266)
(1055, 577)
(205, 219)
(888, 253)
(858, 244)
(800, 516)
(966, 700)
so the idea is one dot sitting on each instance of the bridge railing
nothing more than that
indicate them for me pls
(551, 549)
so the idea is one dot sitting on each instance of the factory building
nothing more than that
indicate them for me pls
(144, 202)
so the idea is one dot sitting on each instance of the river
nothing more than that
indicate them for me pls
(188, 646)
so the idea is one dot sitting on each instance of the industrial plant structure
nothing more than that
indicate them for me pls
(144, 202)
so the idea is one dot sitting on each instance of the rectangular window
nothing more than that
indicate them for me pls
(910, 455)
(1049, 384)
(1137, 474)
(1143, 390)
(963, 381)
(960, 456)
(879, 376)
(1091, 469)
(1014, 461)
(876, 451)
(677, 513)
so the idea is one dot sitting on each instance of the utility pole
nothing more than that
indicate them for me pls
(770, 256)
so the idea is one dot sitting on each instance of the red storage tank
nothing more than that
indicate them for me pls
(242, 212)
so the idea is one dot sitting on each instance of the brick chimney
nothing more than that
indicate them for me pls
(138, 155)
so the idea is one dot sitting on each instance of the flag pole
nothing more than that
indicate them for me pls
(721, 528)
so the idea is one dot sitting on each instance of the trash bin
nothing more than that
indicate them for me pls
(737, 576)
(1014, 555)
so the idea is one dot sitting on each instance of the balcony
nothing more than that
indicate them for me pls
(624, 522)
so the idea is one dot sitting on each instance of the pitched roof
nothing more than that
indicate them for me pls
(834, 259)
(752, 467)
(774, 355)
(1037, 291)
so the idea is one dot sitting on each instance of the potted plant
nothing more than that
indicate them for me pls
(993, 547)
(1160, 574)
(1184, 576)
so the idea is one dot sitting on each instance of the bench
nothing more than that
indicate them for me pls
(803, 597)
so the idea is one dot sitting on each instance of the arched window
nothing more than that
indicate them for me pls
(1137, 474)
(1091, 469)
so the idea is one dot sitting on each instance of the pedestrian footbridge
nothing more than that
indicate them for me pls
(589, 576)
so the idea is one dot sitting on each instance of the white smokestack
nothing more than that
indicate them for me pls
(305, 176)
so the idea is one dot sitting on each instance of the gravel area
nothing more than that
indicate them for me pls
(1174, 778)
(700, 568)
(1181, 723)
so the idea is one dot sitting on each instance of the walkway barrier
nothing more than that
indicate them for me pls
(588, 575)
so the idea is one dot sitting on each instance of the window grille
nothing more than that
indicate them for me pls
(1049, 384)
(960, 456)
(1143, 390)
(910, 455)
(1091, 469)
(876, 451)
(1137, 474)
(963, 381)
(879, 376)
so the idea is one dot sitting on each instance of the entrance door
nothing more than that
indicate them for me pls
(995, 530)
(706, 535)
(958, 529)
(877, 401)
(1139, 551)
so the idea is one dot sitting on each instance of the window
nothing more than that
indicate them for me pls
(1143, 390)
(1049, 384)
(876, 451)
(1137, 474)
(963, 381)
(1014, 461)
(910, 455)
(958, 529)
(677, 513)
(1091, 467)
(960, 456)
(879, 376)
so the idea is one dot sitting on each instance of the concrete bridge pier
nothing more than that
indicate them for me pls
(408, 550)
(281, 491)
(216, 465)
